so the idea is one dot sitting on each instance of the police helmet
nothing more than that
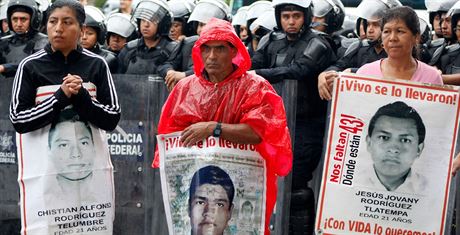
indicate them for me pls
(332, 10)
(435, 7)
(255, 10)
(120, 24)
(239, 19)
(373, 10)
(265, 22)
(29, 6)
(95, 19)
(425, 31)
(302, 5)
(454, 13)
(155, 11)
(181, 11)
(3, 8)
(207, 9)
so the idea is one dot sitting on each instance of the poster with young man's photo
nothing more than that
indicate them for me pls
(387, 167)
(213, 187)
(65, 177)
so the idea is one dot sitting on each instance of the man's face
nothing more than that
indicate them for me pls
(322, 23)
(217, 56)
(199, 28)
(5, 26)
(175, 30)
(394, 146)
(148, 28)
(437, 24)
(243, 32)
(63, 29)
(72, 150)
(446, 25)
(125, 4)
(373, 30)
(20, 22)
(210, 210)
(116, 42)
(88, 37)
(292, 21)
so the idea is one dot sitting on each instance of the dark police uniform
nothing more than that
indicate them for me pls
(137, 58)
(181, 59)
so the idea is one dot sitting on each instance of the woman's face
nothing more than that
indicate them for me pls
(88, 37)
(63, 30)
(398, 39)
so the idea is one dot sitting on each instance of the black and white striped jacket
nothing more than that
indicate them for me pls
(45, 68)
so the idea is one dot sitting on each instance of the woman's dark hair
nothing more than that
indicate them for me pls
(72, 4)
(406, 15)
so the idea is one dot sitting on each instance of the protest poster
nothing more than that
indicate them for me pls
(65, 176)
(213, 187)
(388, 157)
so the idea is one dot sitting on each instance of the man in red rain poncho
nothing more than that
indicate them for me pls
(222, 99)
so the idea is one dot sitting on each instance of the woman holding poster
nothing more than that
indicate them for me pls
(400, 32)
(65, 173)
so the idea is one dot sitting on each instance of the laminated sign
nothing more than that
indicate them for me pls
(65, 176)
(213, 187)
(388, 159)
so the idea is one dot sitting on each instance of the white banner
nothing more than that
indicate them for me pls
(214, 187)
(65, 178)
(388, 158)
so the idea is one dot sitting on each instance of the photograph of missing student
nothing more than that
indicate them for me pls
(66, 178)
(212, 188)
(395, 140)
(389, 149)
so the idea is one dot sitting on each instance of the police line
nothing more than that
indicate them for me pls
(138, 201)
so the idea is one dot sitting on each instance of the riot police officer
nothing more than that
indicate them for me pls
(239, 23)
(180, 28)
(449, 61)
(24, 19)
(153, 48)
(255, 10)
(94, 34)
(120, 28)
(296, 52)
(4, 30)
(437, 8)
(362, 51)
(328, 17)
(180, 64)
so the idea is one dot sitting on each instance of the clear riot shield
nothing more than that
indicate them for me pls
(139, 207)
(280, 220)
(10, 216)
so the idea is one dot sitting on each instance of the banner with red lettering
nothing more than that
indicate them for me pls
(65, 176)
(213, 187)
(388, 158)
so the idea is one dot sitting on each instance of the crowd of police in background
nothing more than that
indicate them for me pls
(156, 37)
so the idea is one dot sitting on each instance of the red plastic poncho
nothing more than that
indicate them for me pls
(240, 98)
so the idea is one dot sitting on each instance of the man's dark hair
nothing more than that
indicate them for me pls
(72, 4)
(399, 109)
(67, 115)
(211, 175)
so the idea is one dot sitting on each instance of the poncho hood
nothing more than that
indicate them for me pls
(217, 29)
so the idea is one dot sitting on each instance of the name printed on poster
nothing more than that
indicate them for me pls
(393, 90)
(386, 207)
(78, 219)
(346, 150)
(129, 144)
(174, 142)
(369, 228)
